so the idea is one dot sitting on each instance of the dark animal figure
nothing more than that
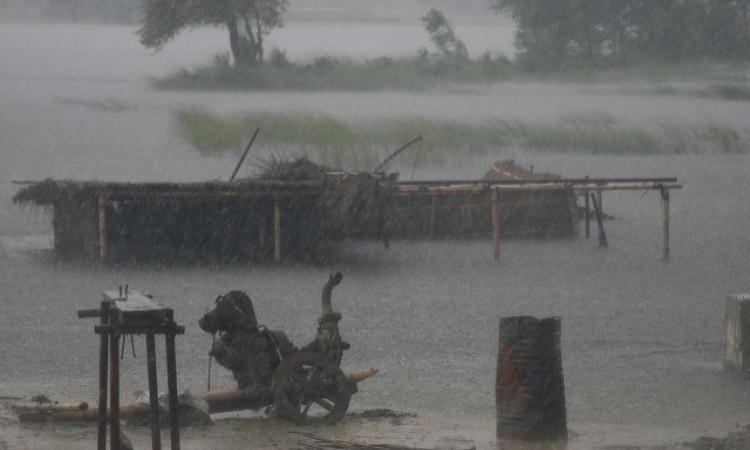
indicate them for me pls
(249, 350)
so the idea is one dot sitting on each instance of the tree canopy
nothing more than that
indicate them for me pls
(442, 34)
(563, 34)
(248, 22)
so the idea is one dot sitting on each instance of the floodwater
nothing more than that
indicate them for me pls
(642, 339)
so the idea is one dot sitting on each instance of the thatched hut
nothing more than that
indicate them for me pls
(215, 221)
(292, 210)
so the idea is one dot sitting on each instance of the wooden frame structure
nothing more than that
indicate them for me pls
(124, 313)
(265, 219)
(493, 190)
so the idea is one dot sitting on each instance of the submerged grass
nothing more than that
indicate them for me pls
(342, 143)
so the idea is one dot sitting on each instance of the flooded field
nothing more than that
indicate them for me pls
(642, 339)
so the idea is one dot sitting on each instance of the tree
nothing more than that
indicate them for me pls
(442, 35)
(247, 21)
(564, 34)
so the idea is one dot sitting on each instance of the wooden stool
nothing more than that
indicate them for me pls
(133, 313)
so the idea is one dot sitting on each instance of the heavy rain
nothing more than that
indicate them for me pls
(94, 91)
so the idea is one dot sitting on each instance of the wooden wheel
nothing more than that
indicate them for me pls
(310, 389)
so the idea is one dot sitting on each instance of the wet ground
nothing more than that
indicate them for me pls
(642, 339)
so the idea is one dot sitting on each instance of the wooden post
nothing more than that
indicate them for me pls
(530, 392)
(153, 392)
(102, 207)
(664, 222)
(276, 228)
(101, 432)
(433, 215)
(114, 381)
(587, 214)
(600, 222)
(599, 200)
(174, 420)
(495, 208)
(263, 235)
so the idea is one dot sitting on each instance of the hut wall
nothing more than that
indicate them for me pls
(75, 222)
(530, 213)
(209, 228)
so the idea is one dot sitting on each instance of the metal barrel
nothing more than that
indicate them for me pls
(530, 392)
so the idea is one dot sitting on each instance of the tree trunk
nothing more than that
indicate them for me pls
(259, 41)
(234, 40)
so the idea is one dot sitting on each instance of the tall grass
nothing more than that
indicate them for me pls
(361, 144)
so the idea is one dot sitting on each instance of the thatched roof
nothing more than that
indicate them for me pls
(299, 169)
(50, 191)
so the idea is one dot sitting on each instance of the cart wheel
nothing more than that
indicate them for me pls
(310, 389)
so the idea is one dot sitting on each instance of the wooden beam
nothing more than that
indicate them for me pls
(114, 382)
(174, 420)
(101, 432)
(102, 207)
(277, 228)
(495, 210)
(665, 223)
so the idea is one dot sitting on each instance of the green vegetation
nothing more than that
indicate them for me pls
(247, 21)
(566, 34)
(325, 73)
(362, 144)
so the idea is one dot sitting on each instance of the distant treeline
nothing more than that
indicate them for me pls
(571, 34)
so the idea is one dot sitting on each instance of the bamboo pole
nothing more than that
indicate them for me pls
(495, 209)
(102, 207)
(276, 228)
(665, 223)
(433, 216)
